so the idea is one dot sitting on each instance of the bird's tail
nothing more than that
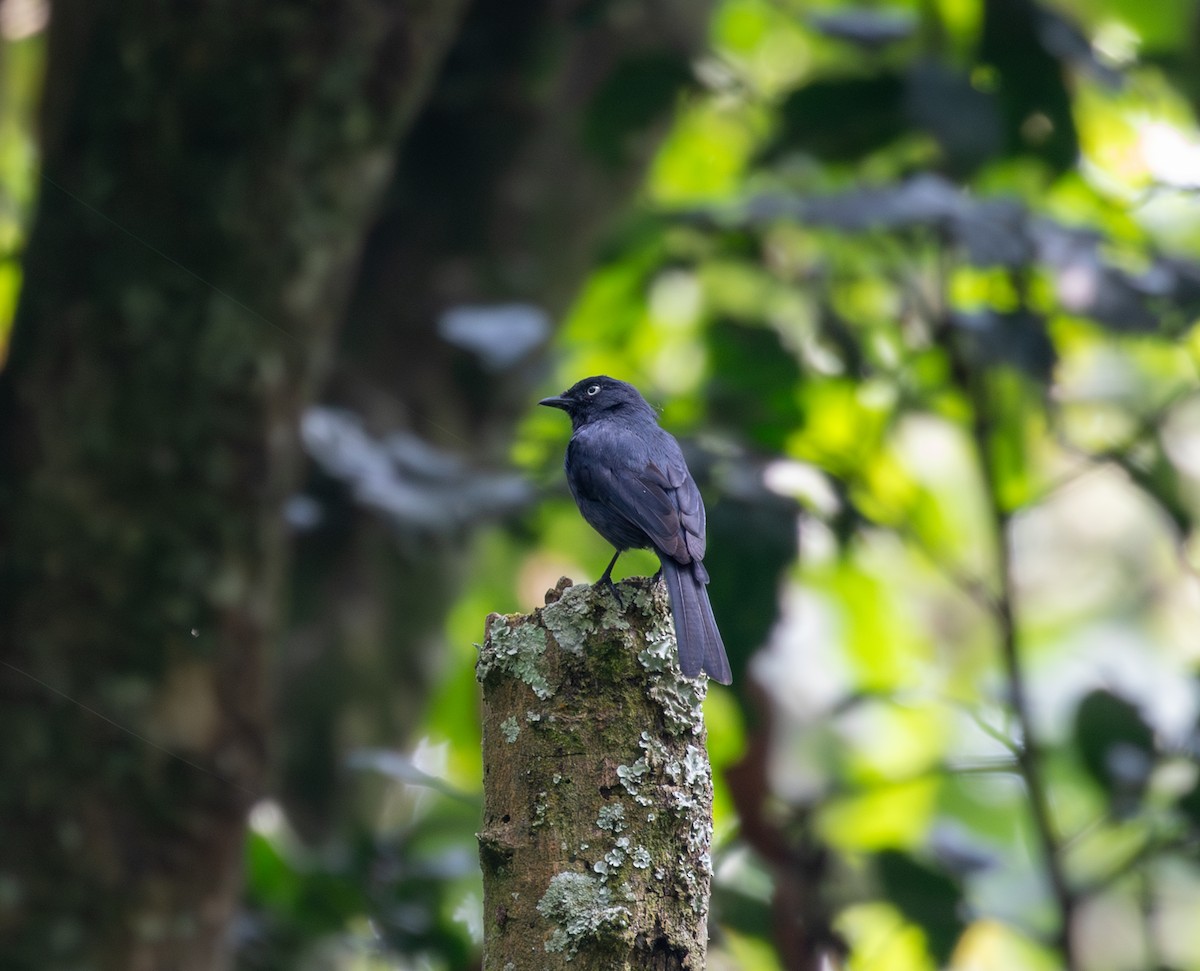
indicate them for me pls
(700, 644)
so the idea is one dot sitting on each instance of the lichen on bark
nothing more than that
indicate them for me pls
(598, 809)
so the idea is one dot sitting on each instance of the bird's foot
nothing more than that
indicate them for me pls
(606, 580)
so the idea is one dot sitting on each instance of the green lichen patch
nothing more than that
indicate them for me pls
(584, 910)
(681, 698)
(660, 654)
(632, 777)
(615, 857)
(510, 728)
(516, 650)
(579, 614)
(695, 765)
(611, 817)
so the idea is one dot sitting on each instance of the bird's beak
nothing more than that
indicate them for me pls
(557, 401)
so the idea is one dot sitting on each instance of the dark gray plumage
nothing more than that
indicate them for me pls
(633, 487)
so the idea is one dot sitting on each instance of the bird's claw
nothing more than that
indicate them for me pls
(606, 581)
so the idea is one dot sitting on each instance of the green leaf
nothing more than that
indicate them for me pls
(1189, 805)
(746, 913)
(1116, 747)
(270, 880)
(640, 91)
(926, 896)
(841, 120)
(754, 382)
(1031, 87)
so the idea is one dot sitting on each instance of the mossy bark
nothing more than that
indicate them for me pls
(597, 788)
(209, 174)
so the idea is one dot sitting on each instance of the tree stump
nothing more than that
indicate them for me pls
(597, 787)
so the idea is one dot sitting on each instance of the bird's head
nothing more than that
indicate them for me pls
(599, 396)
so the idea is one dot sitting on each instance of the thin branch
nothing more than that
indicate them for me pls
(996, 734)
(972, 382)
(1148, 908)
(1028, 754)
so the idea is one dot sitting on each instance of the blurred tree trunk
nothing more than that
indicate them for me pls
(535, 138)
(210, 172)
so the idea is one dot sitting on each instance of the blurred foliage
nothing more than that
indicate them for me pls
(918, 283)
(923, 279)
(20, 84)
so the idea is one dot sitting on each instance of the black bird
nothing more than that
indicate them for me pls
(633, 487)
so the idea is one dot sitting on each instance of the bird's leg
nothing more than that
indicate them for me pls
(606, 579)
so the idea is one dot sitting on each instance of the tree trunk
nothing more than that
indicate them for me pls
(597, 788)
(210, 172)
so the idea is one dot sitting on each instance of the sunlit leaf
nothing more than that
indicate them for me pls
(882, 816)
(881, 940)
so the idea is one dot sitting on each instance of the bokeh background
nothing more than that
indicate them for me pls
(916, 283)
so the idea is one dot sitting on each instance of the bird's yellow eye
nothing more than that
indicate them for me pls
(593, 389)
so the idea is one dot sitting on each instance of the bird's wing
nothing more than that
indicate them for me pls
(656, 495)
(651, 507)
(665, 505)
(680, 488)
